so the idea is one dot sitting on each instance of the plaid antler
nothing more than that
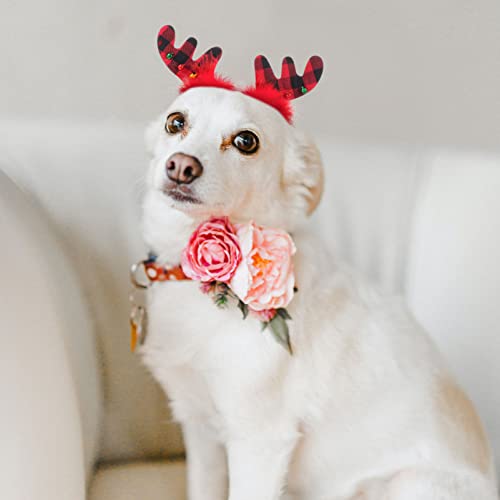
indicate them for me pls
(290, 85)
(180, 61)
(201, 73)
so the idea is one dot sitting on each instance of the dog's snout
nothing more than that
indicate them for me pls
(183, 169)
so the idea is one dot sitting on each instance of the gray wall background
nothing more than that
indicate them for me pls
(416, 72)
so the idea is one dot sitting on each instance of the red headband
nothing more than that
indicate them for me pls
(201, 73)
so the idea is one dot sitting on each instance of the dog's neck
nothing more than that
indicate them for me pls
(166, 231)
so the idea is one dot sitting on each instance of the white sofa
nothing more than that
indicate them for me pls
(80, 417)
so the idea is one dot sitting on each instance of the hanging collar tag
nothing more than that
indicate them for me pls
(142, 275)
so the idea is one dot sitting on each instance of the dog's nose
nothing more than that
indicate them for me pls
(183, 169)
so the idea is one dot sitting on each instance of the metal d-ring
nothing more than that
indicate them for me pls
(134, 268)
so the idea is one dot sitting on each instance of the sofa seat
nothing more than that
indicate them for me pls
(153, 480)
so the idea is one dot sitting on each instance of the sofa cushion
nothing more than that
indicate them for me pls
(140, 480)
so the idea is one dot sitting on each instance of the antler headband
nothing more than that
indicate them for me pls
(201, 73)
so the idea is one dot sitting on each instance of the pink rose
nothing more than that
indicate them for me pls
(264, 279)
(265, 315)
(213, 252)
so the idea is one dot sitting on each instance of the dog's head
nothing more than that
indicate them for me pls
(220, 152)
(223, 151)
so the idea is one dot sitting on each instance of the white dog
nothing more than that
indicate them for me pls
(365, 409)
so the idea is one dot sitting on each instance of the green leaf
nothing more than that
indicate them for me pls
(243, 308)
(264, 325)
(220, 300)
(283, 313)
(279, 329)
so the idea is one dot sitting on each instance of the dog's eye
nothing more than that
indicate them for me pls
(246, 142)
(175, 123)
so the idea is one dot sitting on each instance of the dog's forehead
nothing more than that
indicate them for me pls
(226, 108)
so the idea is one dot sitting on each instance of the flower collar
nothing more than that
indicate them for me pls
(245, 264)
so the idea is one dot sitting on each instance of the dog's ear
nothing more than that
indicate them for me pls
(303, 172)
(152, 134)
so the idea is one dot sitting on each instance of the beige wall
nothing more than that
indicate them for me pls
(420, 71)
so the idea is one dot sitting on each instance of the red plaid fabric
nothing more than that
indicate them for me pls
(268, 88)
(180, 61)
(290, 85)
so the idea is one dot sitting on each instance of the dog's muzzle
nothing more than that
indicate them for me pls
(183, 169)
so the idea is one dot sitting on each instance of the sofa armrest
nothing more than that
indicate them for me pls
(46, 443)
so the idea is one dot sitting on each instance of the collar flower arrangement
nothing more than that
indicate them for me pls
(248, 264)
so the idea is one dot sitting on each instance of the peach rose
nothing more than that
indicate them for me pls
(213, 252)
(264, 279)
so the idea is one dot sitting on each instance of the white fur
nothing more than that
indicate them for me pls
(360, 410)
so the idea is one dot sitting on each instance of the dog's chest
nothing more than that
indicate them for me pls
(185, 326)
(181, 317)
(204, 356)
